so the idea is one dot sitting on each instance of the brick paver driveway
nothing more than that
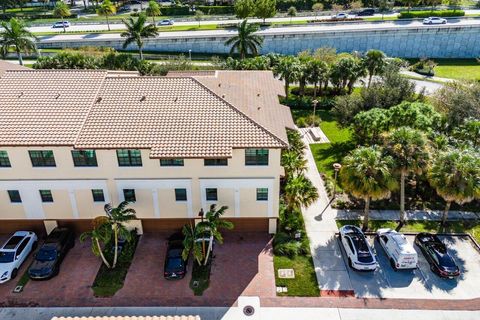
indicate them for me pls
(243, 265)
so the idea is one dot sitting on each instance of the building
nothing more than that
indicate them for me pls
(72, 141)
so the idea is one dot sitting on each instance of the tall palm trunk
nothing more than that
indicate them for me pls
(19, 55)
(115, 256)
(402, 197)
(108, 22)
(445, 213)
(101, 253)
(287, 86)
(209, 250)
(366, 213)
(370, 79)
(141, 52)
(63, 25)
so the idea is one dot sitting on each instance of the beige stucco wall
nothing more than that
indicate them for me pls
(73, 184)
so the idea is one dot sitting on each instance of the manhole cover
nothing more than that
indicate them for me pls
(195, 284)
(248, 310)
(18, 289)
(286, 273)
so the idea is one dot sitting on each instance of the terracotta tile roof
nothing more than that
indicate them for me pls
(174, 117)
(191, 73)
(46, 107)
(5, 65)
(130, 318)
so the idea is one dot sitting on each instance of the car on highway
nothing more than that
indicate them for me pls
(434, 20)
(49, 257)
(166, 22)
(14, 252)
(359, 252)
(400, 252)
(340, 15)
(175, 267)
(61, 24)
(366, 12)
(436, 253)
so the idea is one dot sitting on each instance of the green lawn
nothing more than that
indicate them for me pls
(472, 227)
(305, 282)
(458, 69)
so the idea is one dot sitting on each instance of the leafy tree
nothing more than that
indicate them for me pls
(106, 9)
(356, 5)
(199, 16)
(292, 12)
(366, 174)
(434, 3)
(346, 71)
(374, 61)
(317, 73)
(410, 3)
(265, 9)
(455, 175)
(15, 34)
(137, 30)
(244, 8)
(289, 70)
(455, 4)
(385, 6)
(409, 149)
(299, 192)
(369, 125)
(101, 234)
(415, 115)
(153, 10)
(468, 133)
(246, 41)
(326, 54)
(62, 10)
(317, 7)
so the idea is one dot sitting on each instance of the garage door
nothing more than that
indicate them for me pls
(249, 224)
(10, 226)
(163, 225)
(78, 225)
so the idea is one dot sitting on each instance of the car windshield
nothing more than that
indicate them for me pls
(443, 257)
(46, 254)
(174, 263)
(6, 256)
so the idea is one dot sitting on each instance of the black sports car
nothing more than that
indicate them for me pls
(46, 263)
(175, 267)
(437, 256)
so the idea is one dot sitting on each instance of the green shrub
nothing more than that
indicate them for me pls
(424, 67)
(308, 121)
(285, 245)
(175, 11)
(428, 13)
(216, 10)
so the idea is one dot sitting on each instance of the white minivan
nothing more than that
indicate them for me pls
(400, 252)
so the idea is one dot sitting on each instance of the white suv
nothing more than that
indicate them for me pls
(400, 252)
(360, 254)
(14, 252)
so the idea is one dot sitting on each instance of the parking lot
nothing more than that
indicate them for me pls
(421, 283)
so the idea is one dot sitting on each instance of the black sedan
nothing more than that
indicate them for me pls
(46, 263)
(437, 256)
(175, 267)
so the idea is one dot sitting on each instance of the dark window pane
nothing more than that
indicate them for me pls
(211, 194)
(84, 158)
(215, 162)
(129, 195)
(46, 195)
(262, 194)
(180, 194)
(14, 196)
(129, 158)
(98, 195)
(4, 160)
(42, 158)
(256, 157)
(171, 162)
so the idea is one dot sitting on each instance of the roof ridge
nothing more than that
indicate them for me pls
(239, 111)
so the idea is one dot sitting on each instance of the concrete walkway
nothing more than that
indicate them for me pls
(320, 224)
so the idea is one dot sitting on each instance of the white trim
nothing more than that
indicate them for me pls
(73, 202)
(156, 206)
(237, 202)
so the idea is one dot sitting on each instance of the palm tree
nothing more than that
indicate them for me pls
(246, 41)
(136, 31)
(199, 16)
(16, 35)
(118, 217)
(293, 163)
(289, 70)
(107, 9)
(296, 143)
(367, 175)
(101, 234)
(292, 12)
(153, 10)
(409, 149)
(374, 61)
(299, 192)
(317, 73)
(455, 175)
(190, 243)
(61, 10)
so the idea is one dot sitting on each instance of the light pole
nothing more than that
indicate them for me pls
(314, 102)
(336, 168)
(190, 54)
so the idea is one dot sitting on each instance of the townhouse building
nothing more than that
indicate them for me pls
(72, 141)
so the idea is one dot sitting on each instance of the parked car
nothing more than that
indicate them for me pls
(400, 252)
(166, 22)
(360, 254)
(61, 24)
(434, 20)
(14, 252)
(175, 267)
(366, 12)
(49, 257)
(437, 255)
(340, 15)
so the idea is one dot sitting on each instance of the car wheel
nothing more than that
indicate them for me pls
(392, 263)
(444, 22)
(14, 273)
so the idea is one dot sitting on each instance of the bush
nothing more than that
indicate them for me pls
(216, 10)
(428, 13)
(285, 245)
(175, 11)
(308, 121)
(424, 67)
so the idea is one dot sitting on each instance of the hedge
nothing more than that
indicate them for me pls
(34, 16)
(426, 14)
(175, 11)
(216, 10)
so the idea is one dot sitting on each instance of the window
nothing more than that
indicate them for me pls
(215, 162)
(180, 194)
(256, 157)
(4, 160)
(98, 195)
(84, 158)
(22, 246)
(262, 194)
(171, 162)
(211, 194)
(42, 158)
(14, 196)
(46, 195)
(129, 195)
(129, 158)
